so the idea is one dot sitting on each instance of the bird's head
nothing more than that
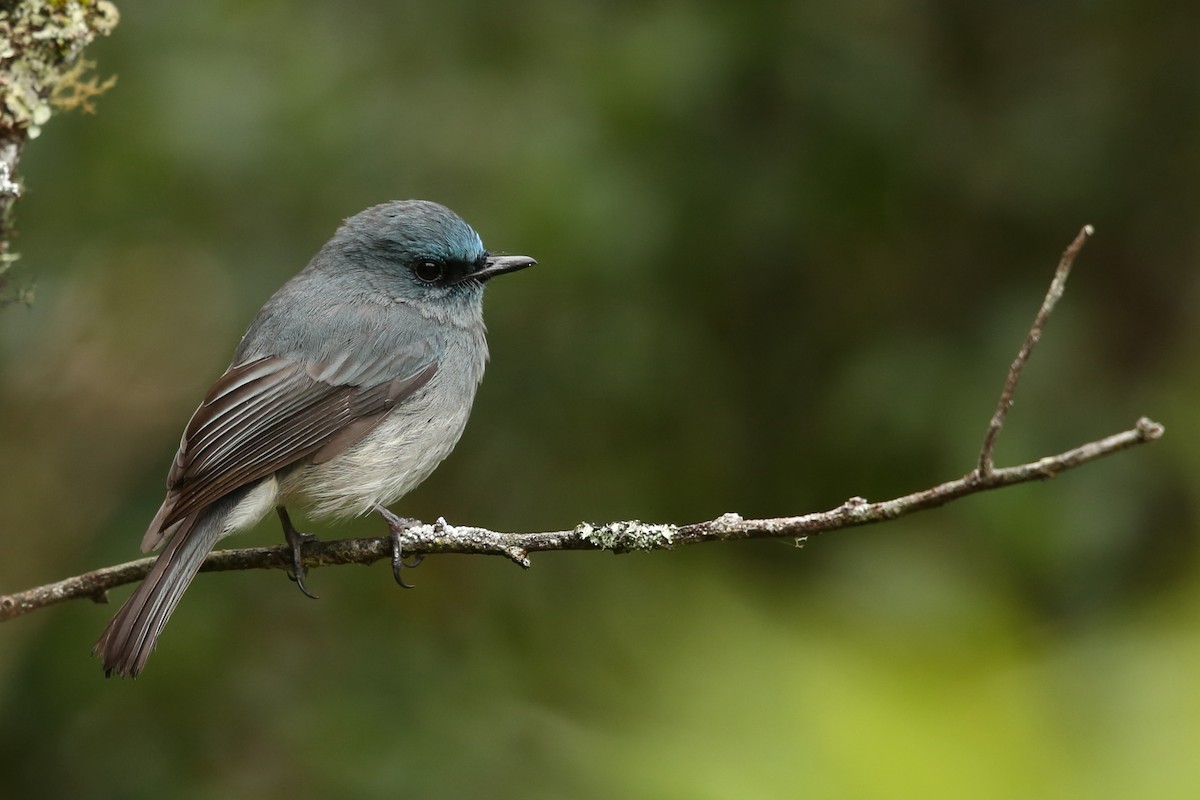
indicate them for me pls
(423, 252)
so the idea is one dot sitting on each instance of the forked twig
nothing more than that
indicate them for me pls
(1057, 287)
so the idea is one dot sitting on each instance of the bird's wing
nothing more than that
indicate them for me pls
(270, 412)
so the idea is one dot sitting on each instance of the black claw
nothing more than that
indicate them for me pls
(397, 526)
(296, 539)
(398, 564)
(300, 583)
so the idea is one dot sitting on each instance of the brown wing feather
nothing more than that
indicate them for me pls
(269, 413)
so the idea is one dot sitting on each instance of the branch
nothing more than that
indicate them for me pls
(625, 537)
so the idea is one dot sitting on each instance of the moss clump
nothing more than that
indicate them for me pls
(627, 537)
(41, 44)
(41, 69)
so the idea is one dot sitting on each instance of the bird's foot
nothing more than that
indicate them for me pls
(396, 527)
(295, 538)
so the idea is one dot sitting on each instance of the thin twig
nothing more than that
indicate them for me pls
(625, 537)
(1057, 286)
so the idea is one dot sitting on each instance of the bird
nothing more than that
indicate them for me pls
(352, 383)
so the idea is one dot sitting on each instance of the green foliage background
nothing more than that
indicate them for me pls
(787, 253)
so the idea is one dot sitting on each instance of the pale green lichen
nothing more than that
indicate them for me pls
(41, 44)
(626, 537)
(42, 69)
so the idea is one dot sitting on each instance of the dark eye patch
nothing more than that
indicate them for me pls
(434, 270)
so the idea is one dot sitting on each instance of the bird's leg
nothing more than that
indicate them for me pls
(295, 538)
(397, 526)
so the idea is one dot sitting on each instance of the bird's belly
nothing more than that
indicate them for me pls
(386, 464)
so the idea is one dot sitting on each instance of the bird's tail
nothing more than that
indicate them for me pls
(131, 635)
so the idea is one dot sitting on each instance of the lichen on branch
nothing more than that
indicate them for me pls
(41, 64)
(42, 70)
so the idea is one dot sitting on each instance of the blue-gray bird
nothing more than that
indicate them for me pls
(352, 384)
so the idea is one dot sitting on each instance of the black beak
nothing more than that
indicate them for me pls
(498, 265)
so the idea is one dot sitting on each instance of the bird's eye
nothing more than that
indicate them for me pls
(429, 271)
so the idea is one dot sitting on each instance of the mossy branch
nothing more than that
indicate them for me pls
(42, 70)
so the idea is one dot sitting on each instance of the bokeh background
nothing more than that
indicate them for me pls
(787, 253)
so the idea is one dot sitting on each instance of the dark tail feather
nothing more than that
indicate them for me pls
(131, 635)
